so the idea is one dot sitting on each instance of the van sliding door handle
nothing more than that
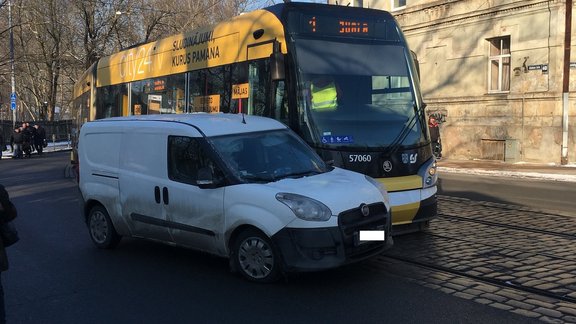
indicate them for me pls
(165, 195)
(157, 194)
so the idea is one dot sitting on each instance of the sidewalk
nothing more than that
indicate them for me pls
(52, 147)
(505, 169)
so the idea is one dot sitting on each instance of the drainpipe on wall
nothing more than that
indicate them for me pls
(566, 82)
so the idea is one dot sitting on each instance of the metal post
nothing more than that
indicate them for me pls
(566, 82)
(12, 59)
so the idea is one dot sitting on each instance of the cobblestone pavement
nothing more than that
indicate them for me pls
(510, 257)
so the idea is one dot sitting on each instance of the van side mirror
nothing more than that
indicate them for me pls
(205, 178)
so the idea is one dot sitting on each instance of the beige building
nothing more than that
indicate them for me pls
(495, 70)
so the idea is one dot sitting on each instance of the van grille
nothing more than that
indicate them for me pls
(352, 221)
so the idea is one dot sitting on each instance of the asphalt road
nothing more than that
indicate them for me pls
(542, 194)
(58, 276)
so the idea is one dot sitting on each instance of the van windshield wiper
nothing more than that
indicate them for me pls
(259, 178)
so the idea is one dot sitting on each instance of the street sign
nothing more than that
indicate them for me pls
(13, 101)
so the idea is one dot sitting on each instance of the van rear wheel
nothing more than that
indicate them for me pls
(255, 257)
(101, 229)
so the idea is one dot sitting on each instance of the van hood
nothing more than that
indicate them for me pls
(338, 189)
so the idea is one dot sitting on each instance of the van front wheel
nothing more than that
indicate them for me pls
(255, 257)
(101, 229)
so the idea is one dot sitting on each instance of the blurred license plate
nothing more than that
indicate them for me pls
(370, 236)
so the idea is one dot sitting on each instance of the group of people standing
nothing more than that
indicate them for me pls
(26, 139)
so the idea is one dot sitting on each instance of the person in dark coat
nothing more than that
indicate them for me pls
(39, 138)
(16, 141)
(434, 128)
(27, 137)
(2, 143)
(7, 213)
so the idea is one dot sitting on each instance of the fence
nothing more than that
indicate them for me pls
(61, 130)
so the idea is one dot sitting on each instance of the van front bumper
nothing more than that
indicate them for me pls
(313, 249)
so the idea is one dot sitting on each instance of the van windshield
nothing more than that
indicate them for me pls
(268, 156)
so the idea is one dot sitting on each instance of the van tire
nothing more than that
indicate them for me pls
(102, 231)
(255, 257)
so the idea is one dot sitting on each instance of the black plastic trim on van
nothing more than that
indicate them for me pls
(174, 225)
(104, 176)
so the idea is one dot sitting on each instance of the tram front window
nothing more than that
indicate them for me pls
(357, 95)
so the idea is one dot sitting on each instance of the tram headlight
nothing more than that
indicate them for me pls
(304, 207)
(430, 174)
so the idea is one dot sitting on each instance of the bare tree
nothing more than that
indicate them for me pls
(55, 41)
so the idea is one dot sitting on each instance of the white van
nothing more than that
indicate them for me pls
(237, 186)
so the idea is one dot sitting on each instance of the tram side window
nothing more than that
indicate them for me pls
(239, 77)
(210, 90)
(139, 102)
(173, 98)
(164, 95)
(82, 105)
(110, 100)
(258, 78)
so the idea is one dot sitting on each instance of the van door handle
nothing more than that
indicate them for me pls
(165, 195)
(157, 194)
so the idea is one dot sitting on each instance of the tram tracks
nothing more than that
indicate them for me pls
(512, 248)
(508, 226)
(491, 281)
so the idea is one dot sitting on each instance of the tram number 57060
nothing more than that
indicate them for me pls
(352, 158)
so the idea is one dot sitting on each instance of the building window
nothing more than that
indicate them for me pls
(398, 4)
(499, 64)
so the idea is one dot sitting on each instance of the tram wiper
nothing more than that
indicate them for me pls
(406, 130)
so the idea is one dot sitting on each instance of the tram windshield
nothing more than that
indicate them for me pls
(357, 95)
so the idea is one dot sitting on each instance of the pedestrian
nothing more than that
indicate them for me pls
(39, 138)
(7, 213)
(27, 140)
(16, 141)
(2, 143)
(434, 128)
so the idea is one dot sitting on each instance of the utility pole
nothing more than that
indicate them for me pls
(13, 101)
(566, 82)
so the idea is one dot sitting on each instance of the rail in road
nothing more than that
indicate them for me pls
(510, 257)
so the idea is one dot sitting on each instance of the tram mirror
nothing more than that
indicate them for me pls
(277, 66)
(416, 62)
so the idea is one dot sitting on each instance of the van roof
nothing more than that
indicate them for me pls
(210, 124)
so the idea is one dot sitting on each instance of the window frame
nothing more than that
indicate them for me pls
(500, 58)
(395, 7)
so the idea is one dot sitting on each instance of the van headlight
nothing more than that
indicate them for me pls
(381, 188)
(305, 208)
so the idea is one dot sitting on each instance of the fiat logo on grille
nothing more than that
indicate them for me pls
(365, 210)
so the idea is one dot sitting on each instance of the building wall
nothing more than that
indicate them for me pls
(451, 40)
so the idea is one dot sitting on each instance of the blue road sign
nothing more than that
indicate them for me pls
(13, 101)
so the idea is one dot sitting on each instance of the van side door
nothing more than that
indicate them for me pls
(196, 215)
(143, 190)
